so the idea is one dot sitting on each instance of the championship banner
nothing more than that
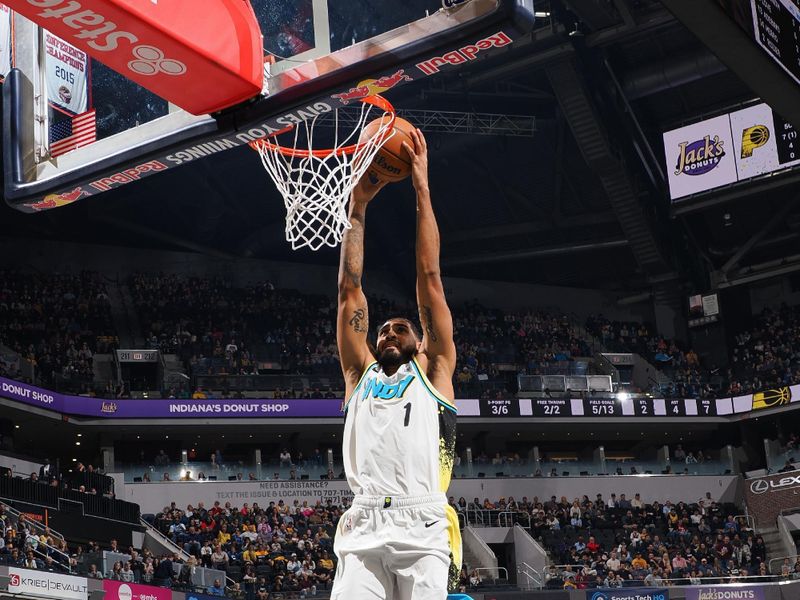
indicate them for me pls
(629, 594)
(6, 40)
(725, 592)
(43, 584)
(66, 74)
(117, 590)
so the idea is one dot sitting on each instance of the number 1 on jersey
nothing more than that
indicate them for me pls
(408, 414)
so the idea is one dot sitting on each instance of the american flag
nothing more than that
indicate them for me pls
(73, 133)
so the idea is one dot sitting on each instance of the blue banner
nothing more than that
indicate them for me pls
(196, 596)
(628, 594)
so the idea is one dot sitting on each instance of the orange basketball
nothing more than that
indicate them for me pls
(392, 162)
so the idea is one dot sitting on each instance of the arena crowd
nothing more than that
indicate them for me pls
(55, 323)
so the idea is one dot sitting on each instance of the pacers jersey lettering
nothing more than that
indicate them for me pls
(378, 389)
(399, 434)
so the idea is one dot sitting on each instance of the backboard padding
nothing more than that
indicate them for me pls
(445, 40)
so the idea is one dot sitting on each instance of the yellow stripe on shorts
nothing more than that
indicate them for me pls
(454, 535)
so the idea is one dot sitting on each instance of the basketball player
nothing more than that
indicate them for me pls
(399, 540)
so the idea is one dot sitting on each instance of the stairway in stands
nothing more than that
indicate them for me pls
(123, 312)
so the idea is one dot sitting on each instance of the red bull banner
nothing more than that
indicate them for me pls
(6, 40)
(66, 73)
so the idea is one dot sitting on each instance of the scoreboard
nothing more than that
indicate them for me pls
(599, 407)
(621, 406)
(777, 31)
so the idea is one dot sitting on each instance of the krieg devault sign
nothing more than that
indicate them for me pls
(46, 584)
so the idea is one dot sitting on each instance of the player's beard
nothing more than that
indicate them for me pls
(393, 357)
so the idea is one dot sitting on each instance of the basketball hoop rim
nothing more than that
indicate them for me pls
(376, 100)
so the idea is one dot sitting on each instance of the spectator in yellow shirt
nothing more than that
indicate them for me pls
(638, 562)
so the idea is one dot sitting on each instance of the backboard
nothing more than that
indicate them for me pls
(320, 54)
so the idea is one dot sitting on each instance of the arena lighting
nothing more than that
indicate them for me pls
(623, 396)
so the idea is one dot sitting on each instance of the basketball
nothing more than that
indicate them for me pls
(392, 162)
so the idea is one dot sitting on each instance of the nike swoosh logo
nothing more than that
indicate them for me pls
(430, 524)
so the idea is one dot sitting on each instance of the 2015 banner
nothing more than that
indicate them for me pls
(6, 40)
(66, 74)
(629, 594)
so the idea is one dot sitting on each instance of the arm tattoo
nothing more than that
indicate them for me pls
(427, 318)
(353, 252)
(360, 321)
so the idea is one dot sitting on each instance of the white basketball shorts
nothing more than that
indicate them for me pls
(396, 548)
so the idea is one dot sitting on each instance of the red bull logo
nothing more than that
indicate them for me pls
(371, 87)
(57, 200)
(463, 54)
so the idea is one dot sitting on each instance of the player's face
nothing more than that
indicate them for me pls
(397, 343)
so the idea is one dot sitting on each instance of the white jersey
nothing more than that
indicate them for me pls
(399, 434)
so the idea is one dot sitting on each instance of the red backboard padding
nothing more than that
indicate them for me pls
(202, 55)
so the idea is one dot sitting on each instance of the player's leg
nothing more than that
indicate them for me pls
(424, 578)
(362, 577)
(425, 564)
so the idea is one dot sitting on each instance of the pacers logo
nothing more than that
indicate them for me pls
(772, 398)
(752, 138)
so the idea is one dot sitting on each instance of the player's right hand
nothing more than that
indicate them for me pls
(419, 160)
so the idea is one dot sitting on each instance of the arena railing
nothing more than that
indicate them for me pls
(681, 581)
(134, 473)
(533, 578)
(33, 492)
(496, 570)
(63, 559)
(36, 525)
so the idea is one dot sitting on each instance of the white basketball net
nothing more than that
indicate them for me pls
(316, 186)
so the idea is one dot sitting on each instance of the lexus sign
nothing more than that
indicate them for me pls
(761, 486)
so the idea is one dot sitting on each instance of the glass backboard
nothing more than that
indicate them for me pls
(320, 54)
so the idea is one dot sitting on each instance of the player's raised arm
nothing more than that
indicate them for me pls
(434, 314)
(352, 321)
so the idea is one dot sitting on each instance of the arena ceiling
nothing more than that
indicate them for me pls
(580, 203)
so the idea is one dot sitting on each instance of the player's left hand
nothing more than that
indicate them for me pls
(367, 188)
(419, 160)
